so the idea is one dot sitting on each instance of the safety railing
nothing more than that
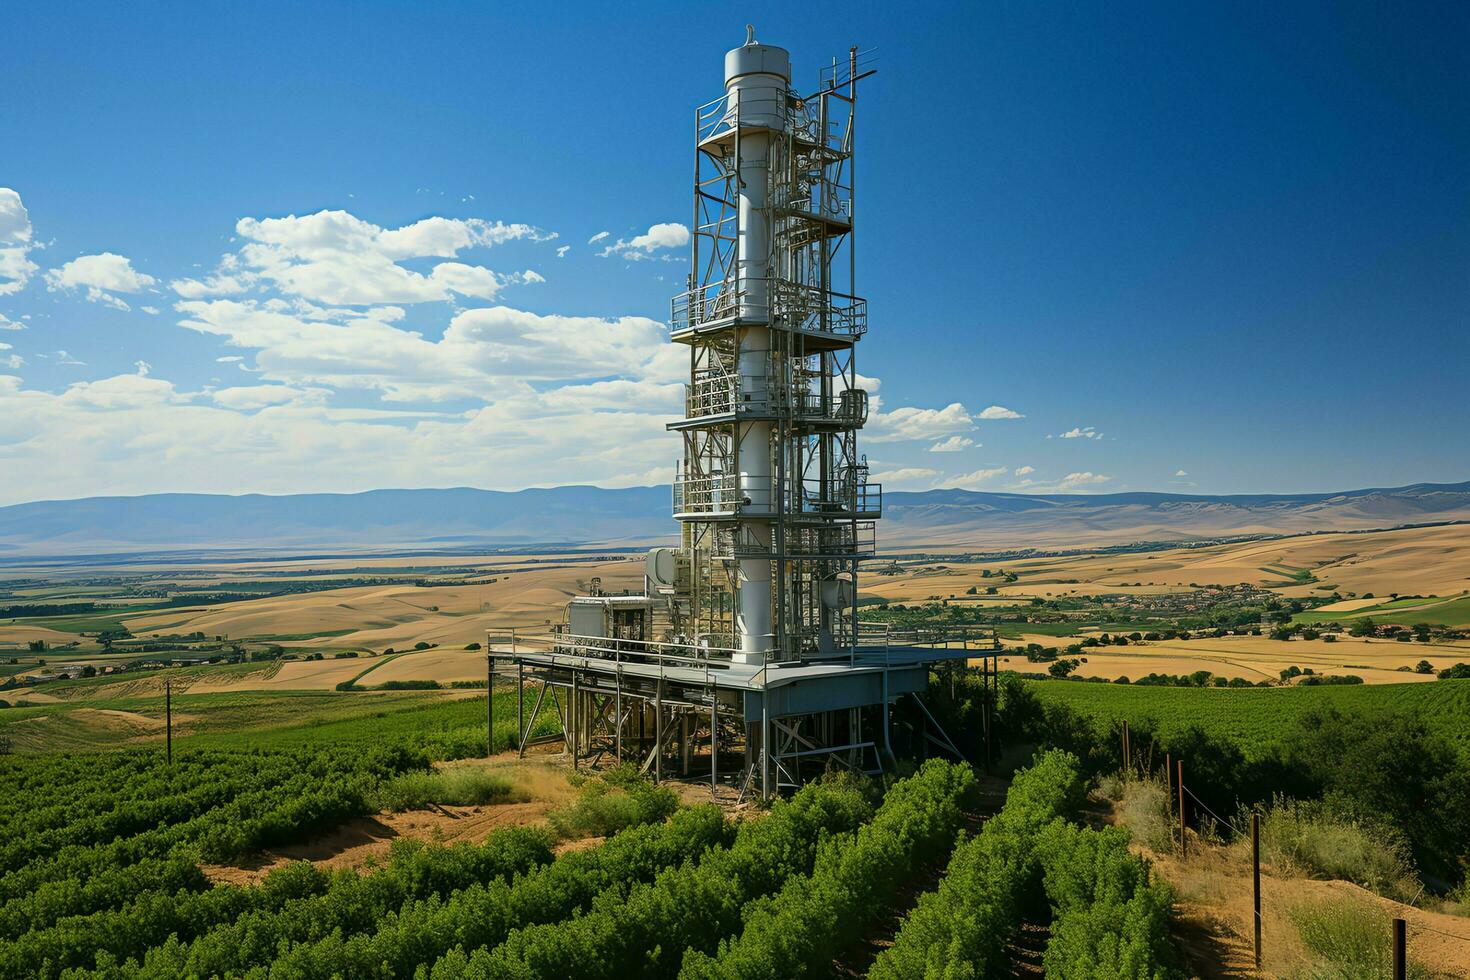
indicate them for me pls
(759, 396)
(716, 494)
(794, 305)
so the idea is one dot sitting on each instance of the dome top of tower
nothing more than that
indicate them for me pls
(754, 58)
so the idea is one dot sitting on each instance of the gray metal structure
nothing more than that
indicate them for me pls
(746, 639)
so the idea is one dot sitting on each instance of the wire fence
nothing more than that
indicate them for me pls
(1180, 791)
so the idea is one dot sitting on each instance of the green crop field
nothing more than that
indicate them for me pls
(1403, 612)
(1254, 717)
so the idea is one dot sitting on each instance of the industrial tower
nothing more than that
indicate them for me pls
(772, 497)
(745, 641)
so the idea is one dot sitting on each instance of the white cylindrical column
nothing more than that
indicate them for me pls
(756, 79)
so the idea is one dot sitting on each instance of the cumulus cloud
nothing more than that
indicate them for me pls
(1081, 432)
(102, 276)
(953, 444)
(337, 258)
(12, 361)
(906, 478)
(16, 268)
(973, 481)
(909, 423)
(1180, 473)
(1025, 470)
(669, 234)
(999, 412)
(482, 346)
(249, 398)
(268, 441)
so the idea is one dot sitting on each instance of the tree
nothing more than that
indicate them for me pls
(1062, 668)
(1364, 627)
(1424, 667)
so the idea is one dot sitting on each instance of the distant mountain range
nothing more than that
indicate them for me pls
(462, 517)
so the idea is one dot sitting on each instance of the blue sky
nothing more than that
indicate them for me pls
(1214, 250)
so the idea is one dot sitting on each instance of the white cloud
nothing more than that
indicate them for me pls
(230, 278)
(101, 275)
(260, 441)
(150, 309)
(562, 251)
(669, 234)
(337, 258)
(12, 361)
(16, 268)
(480, 347)
(1025, 470)
(6, 324)
(229, 359)
(254, 397)
(999, 412)
(953, 444)
(598, 237)
(1180, 473)
(906, 478)
(62, 357)
(1074, 480)
(917, 423)
(1081, 432)
(144, 368)
(972, 481)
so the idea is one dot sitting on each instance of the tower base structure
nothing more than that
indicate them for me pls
(687, 712)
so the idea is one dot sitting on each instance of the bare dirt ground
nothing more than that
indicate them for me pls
(364, 842)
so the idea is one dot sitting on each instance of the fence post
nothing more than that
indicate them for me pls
(1256, 871)
(1182, 843)
(1400, 950)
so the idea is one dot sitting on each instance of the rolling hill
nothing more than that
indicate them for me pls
(464, 517)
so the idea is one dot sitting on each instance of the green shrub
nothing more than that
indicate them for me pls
(1351, 939)
(621, 798)
(1309, 837)
(456, 786)
(1146, 809)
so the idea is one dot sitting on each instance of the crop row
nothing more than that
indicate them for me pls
(813, 917)
(232, 811)
(1108, 920)
(643, 930)
(242, 925)
(961, 928)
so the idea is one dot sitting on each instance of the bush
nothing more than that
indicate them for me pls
(1147, 811)
(1307, 837)
(1351, 937)
(621, 798)
(456, 786)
